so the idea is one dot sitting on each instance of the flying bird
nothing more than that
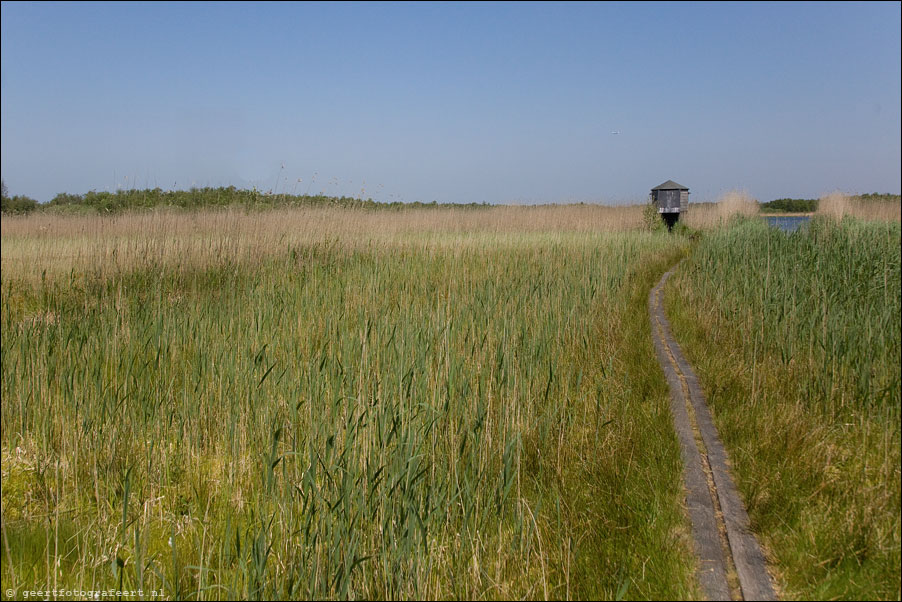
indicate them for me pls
(615, 132)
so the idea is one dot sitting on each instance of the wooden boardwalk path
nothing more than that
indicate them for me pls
(731, 563)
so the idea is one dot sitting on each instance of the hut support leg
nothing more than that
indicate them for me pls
(670, 219)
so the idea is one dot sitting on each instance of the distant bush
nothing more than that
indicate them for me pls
(64, 198)
(879, 197)
(18, 204)
(15, 204)
(195, 198)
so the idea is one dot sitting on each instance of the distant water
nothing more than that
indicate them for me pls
(787, 223)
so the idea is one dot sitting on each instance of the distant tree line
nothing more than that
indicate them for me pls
(810, 205)
(879, 197)
(790, 206)
(196, 198)
(16, 204)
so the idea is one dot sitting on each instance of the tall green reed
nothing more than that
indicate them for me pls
(327, 422)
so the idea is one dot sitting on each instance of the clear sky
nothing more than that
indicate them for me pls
(453, 102)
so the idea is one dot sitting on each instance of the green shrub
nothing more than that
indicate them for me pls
(651, 219)
(18, 204)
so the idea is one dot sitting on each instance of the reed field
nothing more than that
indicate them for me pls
(336, 403)
(171, 238)
(433, 403)
(796, 339)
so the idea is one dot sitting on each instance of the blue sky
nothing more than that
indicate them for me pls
(453, 102)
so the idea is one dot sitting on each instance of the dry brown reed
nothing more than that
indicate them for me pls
(834, 205)
(58, 244)
(837, 205)
(712, 215)
(736, 202)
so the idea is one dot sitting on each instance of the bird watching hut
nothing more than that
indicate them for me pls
(670, 199)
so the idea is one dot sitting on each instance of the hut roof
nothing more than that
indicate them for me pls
(670, 185)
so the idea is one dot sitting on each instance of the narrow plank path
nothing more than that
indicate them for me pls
(731, 563)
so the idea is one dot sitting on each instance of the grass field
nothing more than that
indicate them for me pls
(797, 341)
(339, 404)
